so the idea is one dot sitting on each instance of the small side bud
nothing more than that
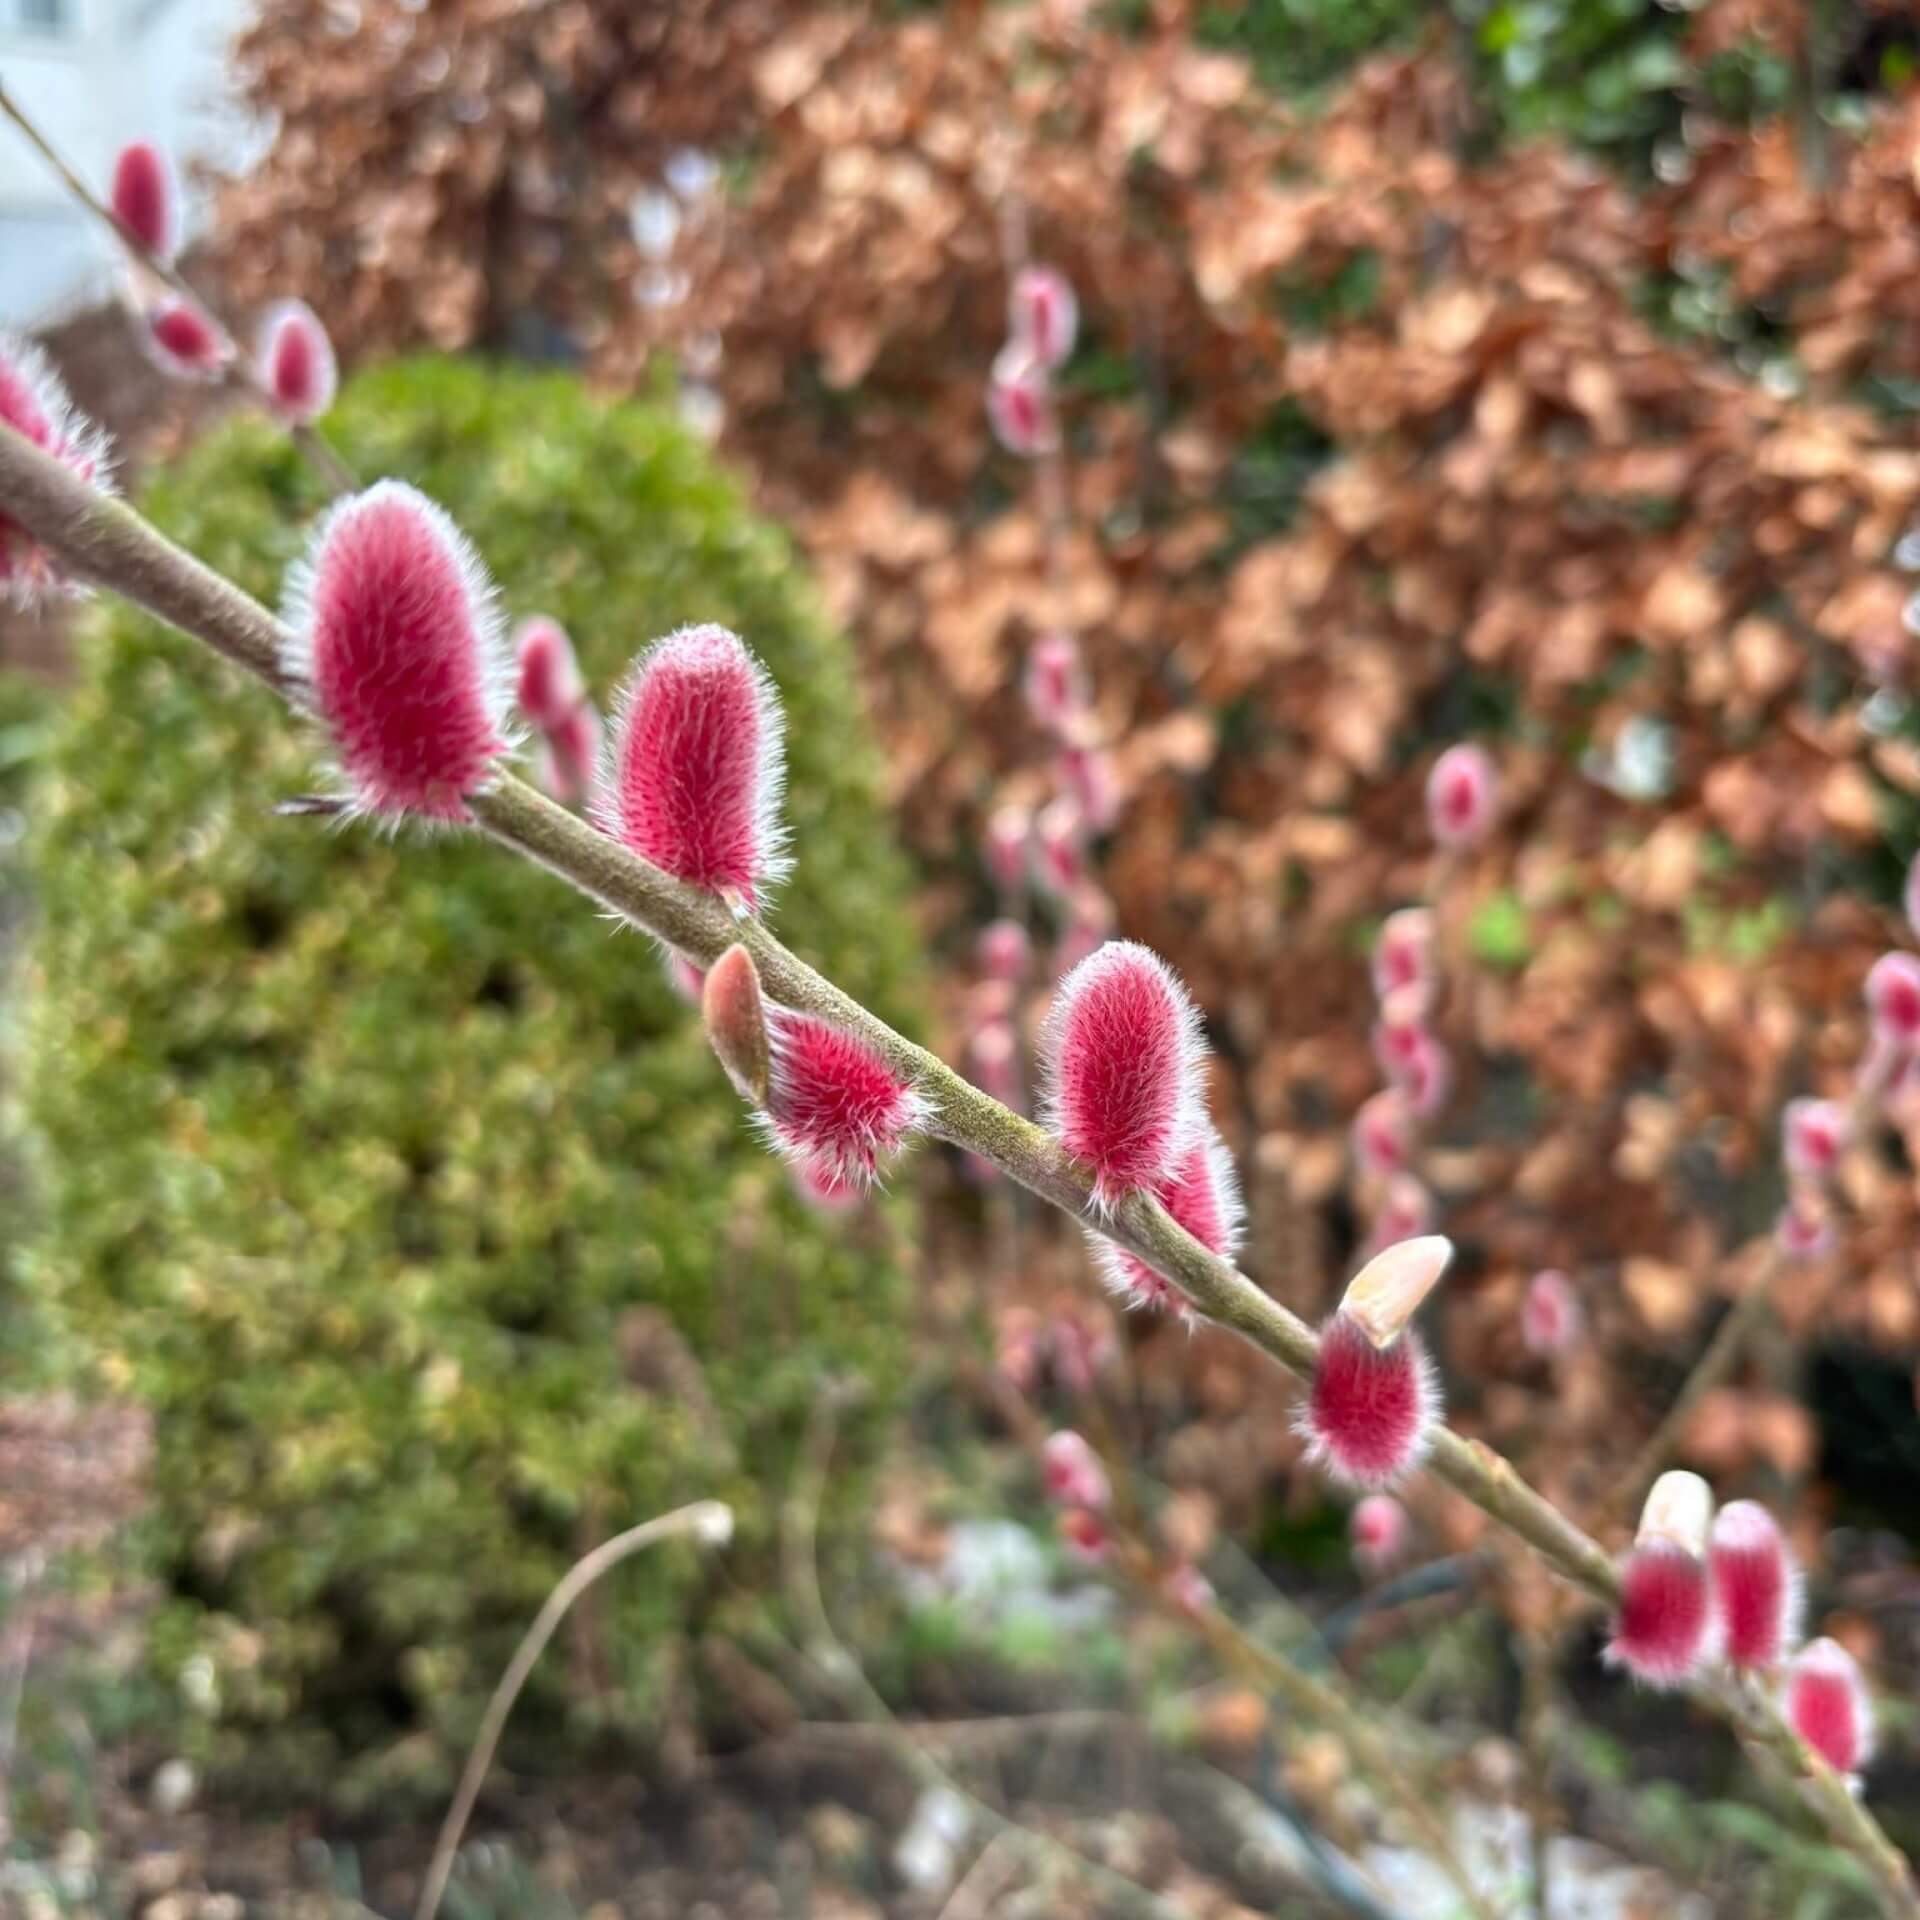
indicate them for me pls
(1123, 1061)
(1550, 1317)
(145, 197)
(833, 1104)
(1893, 1000)
(184, 340)
(735, 1012)
(34, 403)
(1462, 797)
(1084, 1534)
(1043, 314)
(713, 1523)
(1020, 402)
(397, 638)
(1756, 1585)
(1203, 1195)
(1426, 1075)
(1378, 1531)
(1828, 1706)
(1403, 959)
(1813, 1135)
(1665, 1630)
(692, 777)
(1074, 1474)
(295, 364)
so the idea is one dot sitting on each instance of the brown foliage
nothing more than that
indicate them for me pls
(1537, 504)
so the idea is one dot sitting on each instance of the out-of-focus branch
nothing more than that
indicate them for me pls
(105, 541)
(309, 439)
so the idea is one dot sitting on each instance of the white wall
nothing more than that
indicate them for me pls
(113, 71)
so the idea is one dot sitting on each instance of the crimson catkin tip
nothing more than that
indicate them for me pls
(295, 364)
(1666, 1626)
(145, 197)
(1828, 1706)
(695, 763)
(1124, 1063)
(397, 640)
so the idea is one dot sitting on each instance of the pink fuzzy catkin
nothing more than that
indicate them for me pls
(1370, 1413)
(569, 754)
(184, 340)
(1020, 402)
(396, 635)
(1756, 1586)
(145, 198)
(1383, 1134)
(1202, 1195)
(1073, 1473)
(1828, 1706)
(1377, 1531)
(1402, 963)
(1055, 682)
(693, 776)
(1042, 313)
(1813, 1135)
(549, 686)
(1550, 1317)
(1666, 1627)
(1893, 1000)
(833, 1104)
(1461, 797)
(294, 363)
(34, 403)
(1123, 1060)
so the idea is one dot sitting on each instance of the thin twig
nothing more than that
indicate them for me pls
(103, 540)
(705, 1520)
(318, 450)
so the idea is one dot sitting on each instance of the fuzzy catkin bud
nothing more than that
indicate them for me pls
(1086, 777)
(396, 635)
(833, 1103)
(184, 340)
(1123, 1060)
(569, 754)
(1828, 1706)
(1020, 402)
(1893, 1000)
(1550, 1317)
(1666, 1627)
(1461, 797)
(1373, 1403)
(692, 777)
(1378, 1530)
(1383, 1134)
(145, 197)
(34, 403)
(1756, 1586)
(295, 363)
(1084, 1534)
(1402, 960)
(1055, 682)
(1813, 1135)
(1202, 1195)
(1042, 313)
(1059, 847)
(1074, 1474)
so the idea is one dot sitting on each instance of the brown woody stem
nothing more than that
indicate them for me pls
(104, 540)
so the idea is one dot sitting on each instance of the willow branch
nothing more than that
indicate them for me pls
(105, 541)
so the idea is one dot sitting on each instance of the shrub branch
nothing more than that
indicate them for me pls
(106, 542)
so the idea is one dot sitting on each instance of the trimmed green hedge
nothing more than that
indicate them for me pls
(371, 1165)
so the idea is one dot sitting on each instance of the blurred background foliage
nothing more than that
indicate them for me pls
(392, 1180)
